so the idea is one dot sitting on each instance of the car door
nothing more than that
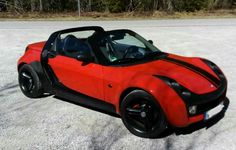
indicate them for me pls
(84, 78)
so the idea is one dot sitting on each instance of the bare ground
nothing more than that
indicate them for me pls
(48, 123)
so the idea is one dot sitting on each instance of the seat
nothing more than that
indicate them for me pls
(73, 46)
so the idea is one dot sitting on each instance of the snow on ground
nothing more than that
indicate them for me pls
(48, 123)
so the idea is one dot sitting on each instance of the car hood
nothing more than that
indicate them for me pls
(192, 73)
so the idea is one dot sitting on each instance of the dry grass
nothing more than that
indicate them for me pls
(119, 16)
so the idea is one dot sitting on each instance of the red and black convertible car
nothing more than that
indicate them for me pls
(120, 72)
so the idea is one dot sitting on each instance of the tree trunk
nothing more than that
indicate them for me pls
(6, 4)
(170, 6)
(17, 6)
(79, 9)
(89, 5)
(155, 3)
(234, 4)
(16, 3)
(131, 6)
(32, 5)
(40, 5)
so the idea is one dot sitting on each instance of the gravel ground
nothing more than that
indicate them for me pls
(49, 123)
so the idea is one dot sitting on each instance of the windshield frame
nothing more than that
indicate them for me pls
(138, 37)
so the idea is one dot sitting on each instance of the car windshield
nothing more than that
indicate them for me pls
(125, 46)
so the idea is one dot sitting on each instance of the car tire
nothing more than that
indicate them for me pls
(29, 82)
(142, 115)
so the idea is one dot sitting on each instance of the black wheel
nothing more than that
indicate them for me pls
(142, 115)
(29, 82)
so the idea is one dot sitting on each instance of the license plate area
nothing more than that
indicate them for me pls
(214, 111)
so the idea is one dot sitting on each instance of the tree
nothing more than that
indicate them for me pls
(32, 5)
(89, 5)
(79, 9)
(115, 6)
(40, 5)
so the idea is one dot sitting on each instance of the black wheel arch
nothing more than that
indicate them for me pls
(20, 65)
(143, 92)
(126, 92)
(36, 65)
(129, 90)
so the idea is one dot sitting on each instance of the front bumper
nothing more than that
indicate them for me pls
(205, 102)
(208, 101)
(177, 111)
(216, 115)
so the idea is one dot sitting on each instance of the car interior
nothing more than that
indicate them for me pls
(120, 46)
(71, 46)
(114, 46)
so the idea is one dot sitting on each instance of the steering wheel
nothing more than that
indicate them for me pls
(129, 50)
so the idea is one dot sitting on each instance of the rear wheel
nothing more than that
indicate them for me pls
(142, 115)
(29, 82)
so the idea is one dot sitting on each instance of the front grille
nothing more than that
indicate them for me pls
(204, 107)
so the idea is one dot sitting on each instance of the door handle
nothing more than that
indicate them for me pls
(51, 54)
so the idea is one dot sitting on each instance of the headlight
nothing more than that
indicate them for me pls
(175, 84)
(192, 109)
(180, 89)
(183, 92)
(186, 94)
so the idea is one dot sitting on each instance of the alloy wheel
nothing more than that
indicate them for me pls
(26, 81)
(142, 116)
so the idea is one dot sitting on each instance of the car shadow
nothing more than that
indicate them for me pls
(197, 126)
(170, 130)
(88, 107)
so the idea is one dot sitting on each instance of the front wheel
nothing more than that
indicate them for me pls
(29, 82)
(142, 115)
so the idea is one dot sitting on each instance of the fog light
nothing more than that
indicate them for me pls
(192, 109)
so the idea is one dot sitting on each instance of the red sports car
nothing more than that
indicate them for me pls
(121, 73)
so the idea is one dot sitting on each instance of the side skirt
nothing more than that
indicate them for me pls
(65, 94)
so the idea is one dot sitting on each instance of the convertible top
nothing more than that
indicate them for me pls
(55, 34)
(95, 28)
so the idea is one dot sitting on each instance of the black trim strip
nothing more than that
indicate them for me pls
(203, 73)
(68, 95)
(36, 65)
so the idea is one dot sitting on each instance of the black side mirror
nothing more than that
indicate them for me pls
(85, 58)
(150, 41)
